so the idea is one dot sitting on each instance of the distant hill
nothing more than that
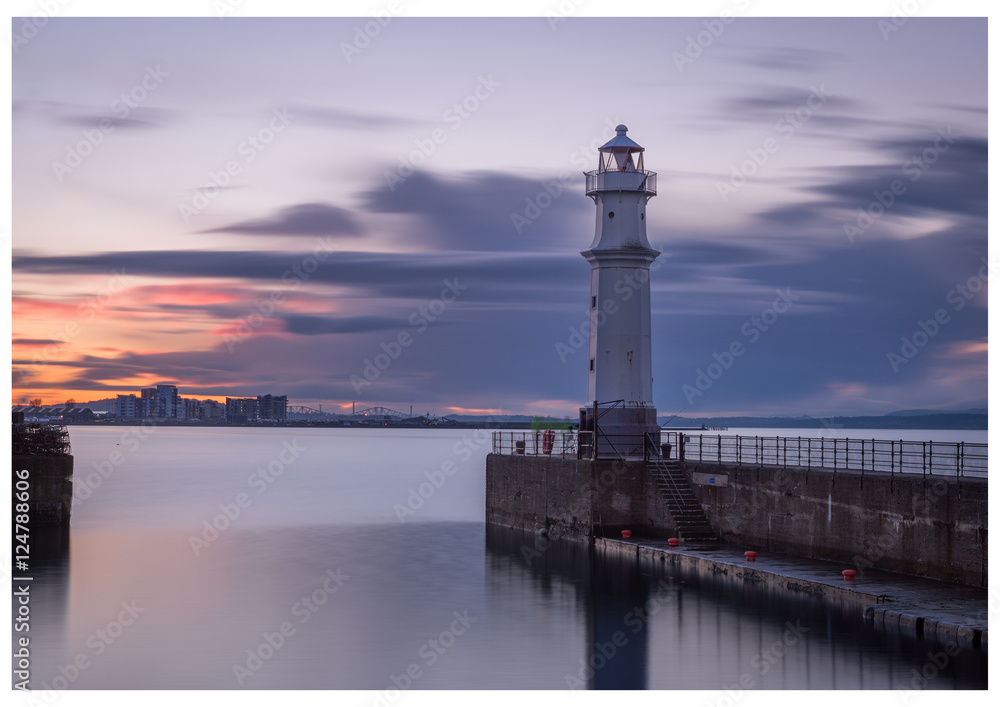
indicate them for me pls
(914, 413)
(916, 421)
(103, 405)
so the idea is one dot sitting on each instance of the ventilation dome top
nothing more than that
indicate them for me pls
(621, 142)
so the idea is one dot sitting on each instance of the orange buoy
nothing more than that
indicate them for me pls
(626, 534)
(750, 555)
(848, 574)
(673, 542)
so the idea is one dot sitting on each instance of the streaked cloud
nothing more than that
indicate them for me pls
(298, 220)
(496, 202)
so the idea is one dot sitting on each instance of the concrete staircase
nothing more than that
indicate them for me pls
(684, 507)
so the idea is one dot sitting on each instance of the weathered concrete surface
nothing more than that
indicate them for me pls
(933, 527)
(913, 606)
(930, 527)
(50, 485)
(578, 497)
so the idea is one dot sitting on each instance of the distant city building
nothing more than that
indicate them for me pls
(162, 402)
(128, 406)
(263, 408)
(272, 407)
(190, 409)
(148, 405)
(239, 411)
(167, 401)
(212, 410)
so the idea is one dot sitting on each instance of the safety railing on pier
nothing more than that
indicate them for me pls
(961, 459)
(552, 443)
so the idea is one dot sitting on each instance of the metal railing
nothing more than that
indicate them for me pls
(551, 443)
(624, 180)
(961, 459)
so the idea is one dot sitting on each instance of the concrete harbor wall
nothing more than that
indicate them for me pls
(934, 527)
(572, 497)
(937, 611)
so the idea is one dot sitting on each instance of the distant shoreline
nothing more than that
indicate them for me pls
(954, 421)
(885, 422)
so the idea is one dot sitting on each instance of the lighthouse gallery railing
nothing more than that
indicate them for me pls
(624, 180)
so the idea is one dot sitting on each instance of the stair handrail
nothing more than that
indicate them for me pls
(649, 443)
(660, 467)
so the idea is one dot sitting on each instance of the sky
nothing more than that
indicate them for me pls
(242, 206)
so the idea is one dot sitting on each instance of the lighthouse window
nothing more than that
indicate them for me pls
(593, 301)
(642, 217)
(611, 214)
(591, 364)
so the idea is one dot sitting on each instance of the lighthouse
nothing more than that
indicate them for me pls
(619, 413)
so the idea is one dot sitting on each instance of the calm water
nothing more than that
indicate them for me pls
(190, 567)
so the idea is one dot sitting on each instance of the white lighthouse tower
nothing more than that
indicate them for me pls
(620, 377)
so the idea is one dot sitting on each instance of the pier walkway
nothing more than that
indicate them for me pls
(892, 602)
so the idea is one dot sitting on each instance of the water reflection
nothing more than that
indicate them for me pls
(537, 614)
(455, 605)
(47, 591)
(649, 626)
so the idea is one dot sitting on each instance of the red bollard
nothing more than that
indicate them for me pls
(673, 542)
(750, 555)
(626, 534)
(848, 574)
